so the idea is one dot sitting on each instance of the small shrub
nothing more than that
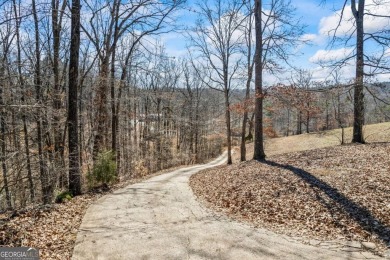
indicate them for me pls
(63, 197)
(104, 169)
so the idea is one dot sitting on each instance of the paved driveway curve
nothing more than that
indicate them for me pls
(160, 218)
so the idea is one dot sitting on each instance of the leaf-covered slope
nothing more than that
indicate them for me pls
(329, 193)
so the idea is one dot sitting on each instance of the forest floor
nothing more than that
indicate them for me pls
(337, 194)
(53, 228)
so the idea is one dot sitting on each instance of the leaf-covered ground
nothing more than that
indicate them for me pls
(53, 229)
(339, 193)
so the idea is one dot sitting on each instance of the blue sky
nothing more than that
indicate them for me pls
(316, 16)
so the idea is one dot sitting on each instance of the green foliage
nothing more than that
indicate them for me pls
(63, 196)
(104, 169)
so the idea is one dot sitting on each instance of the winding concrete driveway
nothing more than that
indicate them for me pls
(160, 218)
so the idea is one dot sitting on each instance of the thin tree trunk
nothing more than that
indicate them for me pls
(116, 109)
(288, 122)
(22, 85)
(114, 121)
(307, 121)
(44, 176)
(299, 123)
(228, 127)
(57, 104)
(248, 85)
(100, 103)
(3, 147)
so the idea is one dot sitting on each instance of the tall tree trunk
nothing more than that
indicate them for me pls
(259, 153)
(358, 115)
(114, 121)
(73, 144)
(24, 121)
(3, 145)
(44, 175)
(57, 104)
(197, 130)
(115, 117)
(248, 86)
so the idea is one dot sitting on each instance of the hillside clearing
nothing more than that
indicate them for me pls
(372, 133)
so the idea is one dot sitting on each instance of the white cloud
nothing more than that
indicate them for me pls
(346, 73)
(177, 53)
(387, 53)
(311, 38)
(383, 78)
(330, 55)
(346, 27)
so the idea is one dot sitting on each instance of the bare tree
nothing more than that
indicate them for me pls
(277, 32)
(218, 39)
(3, 154)
(248, 35)
(73, 142)
(305, 98)
(57, 14)
(259, 153)
(47, 187)
(367, 63)
(359, 77)
(21, 82)
(108, 23)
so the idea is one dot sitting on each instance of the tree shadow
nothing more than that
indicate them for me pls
(358, 213)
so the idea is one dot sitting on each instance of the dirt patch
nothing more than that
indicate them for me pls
(331, 193)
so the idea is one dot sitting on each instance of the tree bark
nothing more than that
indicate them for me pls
(114, 112)
(57, 104)
(259, 153)
(25, 129)
(247, 93)
(228, 123)
(47, 189)
(74, 168)
(3, 146)
(358, 90)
